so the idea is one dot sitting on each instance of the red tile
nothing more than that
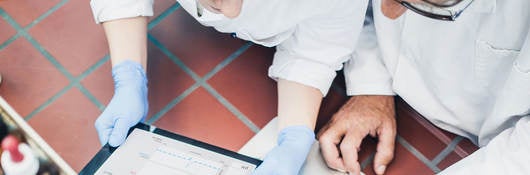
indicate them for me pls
(466, 147)
(68, 131)
(202, 117)
(7, 31)
(368, 148)
(449, 160)
(441, 134)
(416, 134)
(160, 6)
(78, 43)
(28, 78)
(245, 83)
(166, 81)
(330, 105)
(100, 83)
(404, 163)
(463, 149)
(25, 11)
(199, 47)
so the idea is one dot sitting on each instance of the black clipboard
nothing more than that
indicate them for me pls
(106, 151)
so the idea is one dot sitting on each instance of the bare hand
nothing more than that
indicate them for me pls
(341, 138)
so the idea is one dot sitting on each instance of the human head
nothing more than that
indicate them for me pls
(229, 8)
(447, 10)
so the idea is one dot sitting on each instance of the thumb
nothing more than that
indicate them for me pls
(385, 150)
(119, 132)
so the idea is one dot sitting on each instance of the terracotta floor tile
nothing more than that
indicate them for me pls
(28, 78)
(201, 48)
(330, 105)
(25, 11)
(100, 83)
(368, 147)
(78, 43)
(467, 146)
(421, 138)
(202, 117)
(160, 6)
(166, 81)
(245, 83)
(68, 127)
(404, 163)
(449, 160)
(7, 31)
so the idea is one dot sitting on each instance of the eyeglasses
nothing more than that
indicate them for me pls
(447, 10)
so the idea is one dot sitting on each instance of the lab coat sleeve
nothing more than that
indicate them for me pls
(365, 73)
(319, 46)
(106, 10)
(509, 151)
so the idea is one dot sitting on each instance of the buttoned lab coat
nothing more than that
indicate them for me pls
(313, 37)
(470, 77)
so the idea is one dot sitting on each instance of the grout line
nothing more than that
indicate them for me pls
(172, 104)
(35, 44)
(68, 87)
(174, 58)
(46, 14)
(227, 61)
(90, 97)
(231, 107)
(202, 81)
(163, 15)
(417, 153)
(94, 67)
(48, 102)
(367, 161)
(49, 57)
(450, 148)
(9, 41)
(30, 25)
(74, 81)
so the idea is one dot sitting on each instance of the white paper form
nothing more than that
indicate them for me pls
(146, 153)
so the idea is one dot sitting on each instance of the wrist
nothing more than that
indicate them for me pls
(129, 73)
(299, 134)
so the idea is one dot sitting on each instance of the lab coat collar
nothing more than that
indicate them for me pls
(482, 6)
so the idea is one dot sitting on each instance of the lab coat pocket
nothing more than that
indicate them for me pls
(492, 64)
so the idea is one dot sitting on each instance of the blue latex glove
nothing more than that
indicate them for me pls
(287, 158)
(128, 105)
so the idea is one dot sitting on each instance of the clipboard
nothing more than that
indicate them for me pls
(148, 149)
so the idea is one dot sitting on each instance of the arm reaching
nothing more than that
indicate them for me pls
(127, 43)
(297, 109)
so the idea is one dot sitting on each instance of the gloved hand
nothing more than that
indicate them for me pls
(128, 105)
(287, 158)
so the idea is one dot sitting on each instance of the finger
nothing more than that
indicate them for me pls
(323, 130)
(349, 148)
(103, 129)
(119, 132)
(328, 147)
(385, 149)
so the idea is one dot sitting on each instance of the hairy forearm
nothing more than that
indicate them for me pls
(298, 104)
(127, 39)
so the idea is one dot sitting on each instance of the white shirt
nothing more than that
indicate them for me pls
(313, 37)
(470, 77)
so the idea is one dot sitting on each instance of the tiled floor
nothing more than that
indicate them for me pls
(203, 84)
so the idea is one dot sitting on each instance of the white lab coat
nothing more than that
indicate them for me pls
(470, 77)
(313, 37)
